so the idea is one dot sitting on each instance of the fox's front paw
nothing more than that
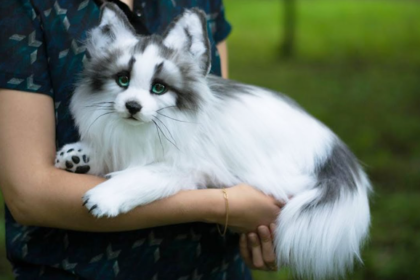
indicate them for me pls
(106, 200)
(73, 158)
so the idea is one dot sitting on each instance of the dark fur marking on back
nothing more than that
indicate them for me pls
(223, 88)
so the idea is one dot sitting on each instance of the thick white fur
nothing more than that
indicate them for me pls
(257, 138)
(326, 240)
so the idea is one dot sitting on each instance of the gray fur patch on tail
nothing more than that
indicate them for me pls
(337, 174)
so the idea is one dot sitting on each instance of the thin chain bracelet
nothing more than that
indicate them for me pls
(227, 213)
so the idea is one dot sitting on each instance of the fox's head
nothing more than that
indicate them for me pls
(131, 78)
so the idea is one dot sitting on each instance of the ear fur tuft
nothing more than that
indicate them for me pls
(188, 33)
(113, 27)
(110, 11)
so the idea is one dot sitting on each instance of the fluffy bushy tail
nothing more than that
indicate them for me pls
(320, 231)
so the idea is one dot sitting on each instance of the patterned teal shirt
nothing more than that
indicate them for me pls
(41, 52)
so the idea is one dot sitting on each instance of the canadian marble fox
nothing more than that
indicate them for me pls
(154, 121)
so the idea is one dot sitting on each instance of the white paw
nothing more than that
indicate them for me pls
(107, 200)
(73, 158)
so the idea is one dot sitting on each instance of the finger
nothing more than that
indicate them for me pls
(279, 203)
(273, 229)
(244, 251)
(257, 259)
(268, 255)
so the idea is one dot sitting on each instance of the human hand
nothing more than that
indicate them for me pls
(250, 208)
(257, 249)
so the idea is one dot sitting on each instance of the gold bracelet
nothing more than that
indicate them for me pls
(227, 213)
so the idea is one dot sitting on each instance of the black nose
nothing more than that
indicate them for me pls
(133, 107)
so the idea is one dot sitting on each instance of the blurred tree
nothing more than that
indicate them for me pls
(287, 47)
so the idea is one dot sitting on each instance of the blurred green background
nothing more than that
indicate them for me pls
(356, 67)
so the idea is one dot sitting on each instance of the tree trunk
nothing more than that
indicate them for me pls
(288, 44)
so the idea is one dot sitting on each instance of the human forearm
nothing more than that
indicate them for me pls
(56, 202)
(39, 194)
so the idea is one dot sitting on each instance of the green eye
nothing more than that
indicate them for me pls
(123, 81)
(158, 88)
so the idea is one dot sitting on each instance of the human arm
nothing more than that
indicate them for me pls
(221, 29)
(224, 62)
(39, 194)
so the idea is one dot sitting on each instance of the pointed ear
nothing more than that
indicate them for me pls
(188, 33)
(113, 27)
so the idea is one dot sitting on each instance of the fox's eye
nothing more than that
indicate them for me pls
(123, 80)
(158, 88)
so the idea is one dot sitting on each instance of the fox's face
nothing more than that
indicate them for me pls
(134, 78)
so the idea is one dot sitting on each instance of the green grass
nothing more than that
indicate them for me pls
(340, 31)
(357, 68)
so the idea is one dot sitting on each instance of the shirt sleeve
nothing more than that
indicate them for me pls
(24, 62)
(220, 27)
